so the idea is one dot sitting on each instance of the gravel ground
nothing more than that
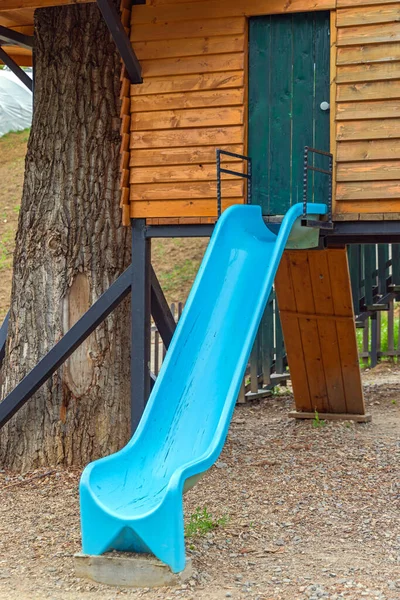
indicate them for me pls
(310, 513)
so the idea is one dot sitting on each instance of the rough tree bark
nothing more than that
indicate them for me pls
(70, 247)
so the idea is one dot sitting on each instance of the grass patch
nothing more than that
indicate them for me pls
(202, 522)
(317, 423)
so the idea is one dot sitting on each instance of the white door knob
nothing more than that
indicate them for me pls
(324, 106)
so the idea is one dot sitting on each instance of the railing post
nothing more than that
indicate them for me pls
(140, 324)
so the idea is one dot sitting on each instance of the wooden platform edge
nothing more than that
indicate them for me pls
(367, 418)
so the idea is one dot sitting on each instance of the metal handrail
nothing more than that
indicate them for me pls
(220, 170)
(329, 172)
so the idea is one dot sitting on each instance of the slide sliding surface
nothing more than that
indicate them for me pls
(132, 500)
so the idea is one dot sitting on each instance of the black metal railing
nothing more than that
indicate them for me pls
(307, 168)
(247, 175)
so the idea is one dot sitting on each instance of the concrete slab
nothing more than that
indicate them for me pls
(129, 570)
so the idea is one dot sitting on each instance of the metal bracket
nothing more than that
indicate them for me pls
(230, 172)
(124, 46)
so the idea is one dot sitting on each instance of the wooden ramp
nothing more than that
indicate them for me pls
(314, 297)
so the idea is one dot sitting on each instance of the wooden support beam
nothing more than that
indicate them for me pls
(314, 298)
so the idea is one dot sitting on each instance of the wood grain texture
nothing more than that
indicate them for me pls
(370, 90)
(291, 331)
(369, 34)
(190, 103)
(185, 189)
(203, 27)
(180, 100)
(327, 329)
(369, 190)
(367, 108)
(364, 54)
(186, 11)
(368, 150)
(346, 332)
(368, 15)
(177, 208)
(183, 173)
(373, 129)
(193, 46)
(212, 63)
(194, 57)
(167, 138)
(375, 109)
(322, 352)
(332, 101)
(353, 3)
(196, 155)
(189, 83)
(382, 206)
(369, 72)
(365, 171)
(180, 119)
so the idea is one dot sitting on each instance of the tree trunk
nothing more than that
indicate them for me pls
(70, 247)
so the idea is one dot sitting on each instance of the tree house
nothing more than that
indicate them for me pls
(262, 78)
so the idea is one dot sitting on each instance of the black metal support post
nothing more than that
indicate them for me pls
(66, 346)
(374, 340)
(160, 311)
(16, 69)
(118, 33)
(3, 337)
(140, 326)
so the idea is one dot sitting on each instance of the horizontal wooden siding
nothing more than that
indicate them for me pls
(367, 108)
(192, 102)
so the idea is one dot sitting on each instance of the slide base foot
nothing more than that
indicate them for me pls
(129, 570)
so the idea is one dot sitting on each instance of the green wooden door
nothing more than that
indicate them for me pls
(288, 80)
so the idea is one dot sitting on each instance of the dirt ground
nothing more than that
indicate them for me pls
(311, 512)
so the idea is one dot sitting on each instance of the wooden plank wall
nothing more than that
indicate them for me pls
(315, 304)
(192, 101)
(368, 109)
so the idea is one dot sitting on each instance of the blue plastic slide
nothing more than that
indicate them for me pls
(132, 500)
